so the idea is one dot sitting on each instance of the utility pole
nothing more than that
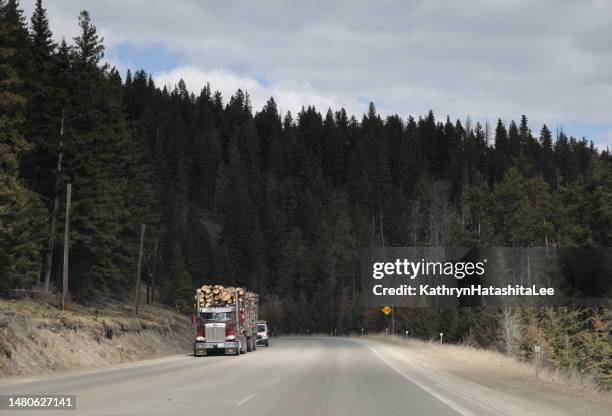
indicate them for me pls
(66, 245)
(139, 269)
(51, 244)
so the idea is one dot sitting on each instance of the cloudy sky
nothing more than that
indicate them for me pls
(548, 59)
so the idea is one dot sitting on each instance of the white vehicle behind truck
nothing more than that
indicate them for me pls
(226, 320)
(263, 336)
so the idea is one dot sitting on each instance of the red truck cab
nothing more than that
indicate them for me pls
(216, 331)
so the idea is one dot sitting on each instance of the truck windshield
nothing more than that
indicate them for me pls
(216, 316)
(261, 328)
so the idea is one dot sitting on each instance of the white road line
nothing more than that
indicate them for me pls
(27, 380)
(458, 408)
(93, 371)
(246, 399)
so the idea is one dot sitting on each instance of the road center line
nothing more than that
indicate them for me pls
(246, 399)
(458, 408)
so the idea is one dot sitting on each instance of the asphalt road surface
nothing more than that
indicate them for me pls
(294, 376)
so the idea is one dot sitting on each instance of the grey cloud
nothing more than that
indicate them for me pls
(548, 59)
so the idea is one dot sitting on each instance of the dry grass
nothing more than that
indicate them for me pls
(473, 363)
(37, 337)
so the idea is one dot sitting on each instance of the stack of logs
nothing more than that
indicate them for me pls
(252, 303)
(252, 300)
(218, 295)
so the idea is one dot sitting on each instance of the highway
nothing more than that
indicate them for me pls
(295, 376)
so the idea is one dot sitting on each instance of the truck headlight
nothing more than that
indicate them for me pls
(200, 339)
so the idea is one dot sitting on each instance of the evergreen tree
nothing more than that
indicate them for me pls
(16, 39)
(501, 158)
(22, 216)
(43, 111)
(178, 284)
(96, 162)
(547, 162)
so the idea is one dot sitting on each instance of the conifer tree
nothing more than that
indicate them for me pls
(22, 216)
(16, 39)
(547, 157)
(501, 158)
(96, 162)
(178, 283)
(43, 110)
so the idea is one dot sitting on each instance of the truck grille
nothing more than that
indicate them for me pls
(215, 332)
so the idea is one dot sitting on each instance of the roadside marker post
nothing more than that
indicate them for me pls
(537, 349)
(441, 336)
(406, 336)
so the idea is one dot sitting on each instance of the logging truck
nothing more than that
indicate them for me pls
(226, 320)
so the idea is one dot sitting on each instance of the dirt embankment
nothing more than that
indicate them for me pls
(38, 338)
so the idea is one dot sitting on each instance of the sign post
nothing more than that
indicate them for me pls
(389, 310)
(537, 349)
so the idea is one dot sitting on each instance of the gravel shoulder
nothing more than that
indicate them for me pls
(474, 382)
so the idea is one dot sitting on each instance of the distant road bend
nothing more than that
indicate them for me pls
(295, 376)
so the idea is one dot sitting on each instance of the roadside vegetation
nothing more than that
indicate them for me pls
(490, 366)
(36, 337)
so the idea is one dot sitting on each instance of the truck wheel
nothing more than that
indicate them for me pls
(254, 344)
(237, 350)
(249, 344)
(195, 353)
(267, 343)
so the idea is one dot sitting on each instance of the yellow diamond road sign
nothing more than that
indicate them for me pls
(387, 310)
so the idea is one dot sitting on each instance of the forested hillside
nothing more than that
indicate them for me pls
(280, 203)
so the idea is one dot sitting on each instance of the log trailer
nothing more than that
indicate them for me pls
(226, 320)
